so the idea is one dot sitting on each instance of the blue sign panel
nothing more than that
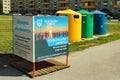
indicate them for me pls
(51, 36)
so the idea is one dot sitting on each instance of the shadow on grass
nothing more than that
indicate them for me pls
(5, 66)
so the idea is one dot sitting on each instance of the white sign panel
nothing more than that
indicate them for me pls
(23, 37)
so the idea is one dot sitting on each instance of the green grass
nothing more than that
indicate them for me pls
(98, 41)
(113, 21)
(5, 17)
(6, 36)
(113, 29)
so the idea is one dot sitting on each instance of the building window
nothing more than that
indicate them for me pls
(111, 3)
(31, 2)
(46, 5)
(31, 6)
(63, 5)
(46, 0)
(118, 2)
(105, 3)
(86, 4)
(20, 7)
(119, 11)
(99, 3)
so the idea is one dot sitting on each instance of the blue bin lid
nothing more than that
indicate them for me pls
(98, 12)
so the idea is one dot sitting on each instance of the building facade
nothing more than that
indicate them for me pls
(89, 5)
(4, 6)
(110, 6)
(75, 4)
(23, 6)
(116, 7)
(51, 6)
(38, 6)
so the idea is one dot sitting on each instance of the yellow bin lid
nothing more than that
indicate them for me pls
(67, 11)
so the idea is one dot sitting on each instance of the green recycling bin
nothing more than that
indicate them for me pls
(87, 23)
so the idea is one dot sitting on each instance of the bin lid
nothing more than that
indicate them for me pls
(98, 12)
(67, 11)
(83, 12)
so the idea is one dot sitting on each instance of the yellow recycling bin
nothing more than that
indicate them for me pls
(75, 23)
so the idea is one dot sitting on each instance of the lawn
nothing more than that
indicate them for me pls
(6, 36)
(5, 17)
(113, 28)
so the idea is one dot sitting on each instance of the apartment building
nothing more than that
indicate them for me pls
(51, 6)
(43, 6)
(116, 7)
(15, 5)
(108, 4)
(24, 6)
(113, 6)
(4, 6)
(75, 4)
(89, 5)
(46, 6)
(37, 6)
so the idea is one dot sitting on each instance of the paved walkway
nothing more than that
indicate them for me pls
(95, 63)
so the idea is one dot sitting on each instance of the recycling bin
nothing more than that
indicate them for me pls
(100, 20)
(87, 23)
(75, 23)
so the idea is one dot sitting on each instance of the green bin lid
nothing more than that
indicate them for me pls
(84, 12)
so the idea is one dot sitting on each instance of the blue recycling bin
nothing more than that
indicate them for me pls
(100, 20)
